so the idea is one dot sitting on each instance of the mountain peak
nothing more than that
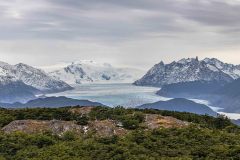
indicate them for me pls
(187, 60)
(24, 66)
(33, 77)
(212, 60)
(191, 69)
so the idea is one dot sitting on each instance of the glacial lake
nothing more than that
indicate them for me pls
(113, 95)
(126, 95)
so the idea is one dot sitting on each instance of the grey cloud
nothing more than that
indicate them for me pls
(117, 19)
(209, 12)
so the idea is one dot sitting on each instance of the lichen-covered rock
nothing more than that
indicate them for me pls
(37, 126)
(103, 128)
(154, 121)
(106, 128)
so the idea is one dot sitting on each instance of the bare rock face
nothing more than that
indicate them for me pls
(103, 128)
(107, 128)
(36, 126)
(154, 121)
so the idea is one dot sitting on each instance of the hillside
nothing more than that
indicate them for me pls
(228, 97)
(194, 89)
(114, 133)
(230, 90)
(181, 105)
(51, 102)
(13, 90)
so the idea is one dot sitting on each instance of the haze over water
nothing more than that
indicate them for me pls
(114, 94)
(124, 94)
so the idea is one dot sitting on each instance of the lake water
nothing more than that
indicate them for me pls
(126, 95)
(114, 94)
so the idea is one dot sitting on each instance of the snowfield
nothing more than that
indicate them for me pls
(82, 72)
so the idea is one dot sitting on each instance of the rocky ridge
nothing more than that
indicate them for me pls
(189, 70)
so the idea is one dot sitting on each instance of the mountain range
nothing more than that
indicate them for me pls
(189, 70)
(92, 72)
(33, 77)
(208, 79)
(21, 82)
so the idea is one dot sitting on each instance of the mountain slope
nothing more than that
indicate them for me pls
(33, 77)
(52, 102)
(229, 97)
(12, 90)
(231, 89)
(181, 105)
(188, 70)
(89, 71)
(230, 69)
(195, 89)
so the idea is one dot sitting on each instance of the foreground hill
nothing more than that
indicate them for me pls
(102, 133)
(188, 70)
(181, 105)
(51, 102)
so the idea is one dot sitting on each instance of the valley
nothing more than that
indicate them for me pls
(119, 80)
(206, 82)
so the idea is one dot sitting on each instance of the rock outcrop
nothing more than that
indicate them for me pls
(38, 126)
(154, 121)
(107, 128)
(104, 128)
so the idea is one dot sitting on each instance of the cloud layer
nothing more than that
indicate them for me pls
(118, 30)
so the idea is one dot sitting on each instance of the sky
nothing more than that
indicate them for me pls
(133, 33)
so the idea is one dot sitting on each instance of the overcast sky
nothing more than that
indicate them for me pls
(136, 33)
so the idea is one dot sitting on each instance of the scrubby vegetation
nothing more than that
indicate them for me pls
(206, 138)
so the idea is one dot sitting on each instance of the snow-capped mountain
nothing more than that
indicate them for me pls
(188, 70)
(32, 77)
(92, 72)
(230, 69)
